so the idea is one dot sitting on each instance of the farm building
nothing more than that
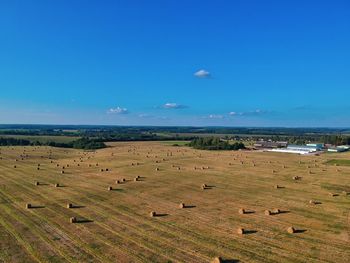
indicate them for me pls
(269, 144)
(342, 148)
(318, 146)
(298, 149)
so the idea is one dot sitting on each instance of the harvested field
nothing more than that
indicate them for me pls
(116, 226)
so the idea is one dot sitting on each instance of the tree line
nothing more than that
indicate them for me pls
(82, 143)
(214, 143)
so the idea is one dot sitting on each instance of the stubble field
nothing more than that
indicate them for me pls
(116, 226)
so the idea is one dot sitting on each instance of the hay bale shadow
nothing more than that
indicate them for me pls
(281, 212)
(141, 179)
(248, 232)
(189, 206)
(117, 190)
(209, 187)
(161, 215)
(83, 221)
(36, 206)
(77, 206)
(230, 261)
(249, 211)
(300, 231)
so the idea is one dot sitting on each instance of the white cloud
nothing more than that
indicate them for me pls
(172, 105)
(202, 74)
(215, 116)
(145, 115)
(118, 110)
(249, 113)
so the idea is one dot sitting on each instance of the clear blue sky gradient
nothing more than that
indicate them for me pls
(272, 63)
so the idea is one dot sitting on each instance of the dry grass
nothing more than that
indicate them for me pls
(122, 229)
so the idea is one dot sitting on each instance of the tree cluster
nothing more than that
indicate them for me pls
(82, 143)
(215, 143)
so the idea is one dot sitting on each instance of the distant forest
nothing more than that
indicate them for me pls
(88, 129)
(215, 143)
(336, 136)
(82, 143)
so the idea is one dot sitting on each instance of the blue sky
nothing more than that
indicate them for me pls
(167, 62)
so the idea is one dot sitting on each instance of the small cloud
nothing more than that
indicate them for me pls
(248, 113)
(202, 74)
(302, 108)
(215, 116)
(118, 110)
(145, 115)
(255, 112)
(172, 105)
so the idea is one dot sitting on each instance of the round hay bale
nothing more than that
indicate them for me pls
(15, 166)
(152, 214)
(277, 186)
(157, 169)
(123, 180)
(62, 172)
(217, 260)
(28, 206)
(182, 205)
(57, 185)
(331, 194)
(36, 183)
(240, 231)
(109, 188)
(241, 211)
(69, 205)
(73, 220)
(106, 169)
(291, 230)
(312, 202)
(267, 212)
(276, 211)
(136, 179)
(101, 170)
(137, 176)
(117, 182)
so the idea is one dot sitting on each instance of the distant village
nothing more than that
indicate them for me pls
(310, 148)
